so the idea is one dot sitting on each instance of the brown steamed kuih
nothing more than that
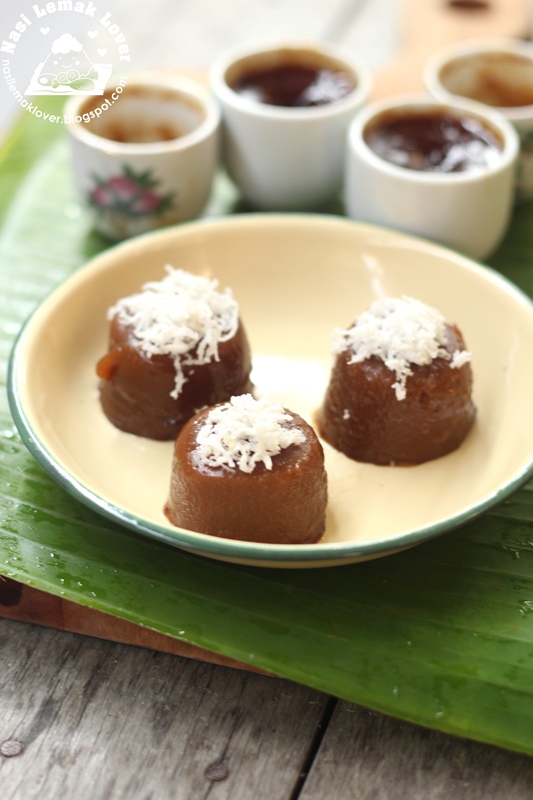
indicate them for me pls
(283, 504)
(138, 388)
(363, 418)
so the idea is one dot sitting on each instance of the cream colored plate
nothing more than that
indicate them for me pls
(295, 277)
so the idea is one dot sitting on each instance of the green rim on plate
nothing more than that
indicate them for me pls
(324, 553)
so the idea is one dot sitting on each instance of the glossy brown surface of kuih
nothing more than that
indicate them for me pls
(362, 418)
(284, 505)
(135, 390)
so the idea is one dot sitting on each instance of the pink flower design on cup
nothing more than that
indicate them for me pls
(130, 193)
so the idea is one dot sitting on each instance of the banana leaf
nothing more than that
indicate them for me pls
(441, 635)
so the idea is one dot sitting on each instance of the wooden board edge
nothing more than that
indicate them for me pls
(26, 604)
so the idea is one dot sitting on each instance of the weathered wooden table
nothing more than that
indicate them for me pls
(86, 718)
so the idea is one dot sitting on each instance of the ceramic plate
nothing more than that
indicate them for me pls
(296, 277)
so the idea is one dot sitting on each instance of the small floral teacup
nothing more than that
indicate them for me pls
(144, 154)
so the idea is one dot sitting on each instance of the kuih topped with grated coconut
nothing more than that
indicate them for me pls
(399, 331)
(246, 432)
(183, 316)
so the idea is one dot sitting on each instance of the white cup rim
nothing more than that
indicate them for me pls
(159, 79)
(507, 132)
(472, 47)
(232, 98)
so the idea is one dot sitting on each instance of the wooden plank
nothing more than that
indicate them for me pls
(97, 719)
(367, 756)
(26, 604)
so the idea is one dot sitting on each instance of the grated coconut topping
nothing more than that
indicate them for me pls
(244, 432)
(400, 331)
(183, 316)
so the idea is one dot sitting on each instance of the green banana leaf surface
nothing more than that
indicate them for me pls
(441, 635)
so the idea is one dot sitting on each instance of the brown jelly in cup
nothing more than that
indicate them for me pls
(142, 114)
(432, 141)
(291, 78)
(498, 79)
(294, 85)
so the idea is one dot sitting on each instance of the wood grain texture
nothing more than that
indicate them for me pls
(26, 604)
(100, 720)
(367, 756)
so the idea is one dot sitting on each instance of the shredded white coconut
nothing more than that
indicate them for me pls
(243, 432)
(400, 331)
(183, 316)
